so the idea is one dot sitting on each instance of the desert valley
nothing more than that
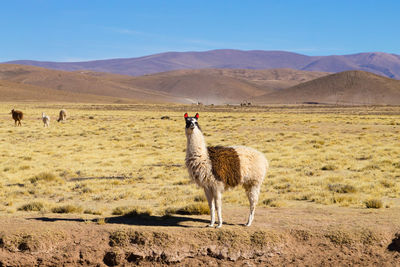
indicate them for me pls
(108, 186)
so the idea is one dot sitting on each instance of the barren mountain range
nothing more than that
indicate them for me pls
(379, 63)
(218, 85)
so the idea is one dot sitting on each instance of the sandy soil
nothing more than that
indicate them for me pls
(305, 236)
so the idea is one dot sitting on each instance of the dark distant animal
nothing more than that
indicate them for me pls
(62, 116)
(17, 116)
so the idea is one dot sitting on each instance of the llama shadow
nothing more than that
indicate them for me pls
(163, 221)
(141, 220)
(395, 245)
(48, 219)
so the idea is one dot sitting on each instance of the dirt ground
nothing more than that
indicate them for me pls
(310, 235)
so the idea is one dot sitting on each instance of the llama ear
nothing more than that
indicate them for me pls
(197, 116)
(185, 116)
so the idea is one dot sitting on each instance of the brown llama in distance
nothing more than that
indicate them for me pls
(62, 116)
(17, 116)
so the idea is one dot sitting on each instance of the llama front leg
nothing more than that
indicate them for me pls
(218, 205)
(210, 199)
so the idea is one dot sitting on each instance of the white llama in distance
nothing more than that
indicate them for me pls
(46, 120)
(216, 169)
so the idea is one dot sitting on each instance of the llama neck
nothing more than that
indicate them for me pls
(196, 145)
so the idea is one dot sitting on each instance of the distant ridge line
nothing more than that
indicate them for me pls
(384, 64)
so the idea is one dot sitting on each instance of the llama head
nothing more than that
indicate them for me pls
(191, 123)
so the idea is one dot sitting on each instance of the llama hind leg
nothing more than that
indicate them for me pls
(218, 205)
(252, 193)
(210, 199)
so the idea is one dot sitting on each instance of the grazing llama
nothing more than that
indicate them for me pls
(62, 116)
(46, 120)
(17, 116)
(218, 168)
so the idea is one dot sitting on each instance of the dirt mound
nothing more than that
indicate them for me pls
(286, 236)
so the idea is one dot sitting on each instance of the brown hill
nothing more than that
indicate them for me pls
(12, 91)
(349, 87)
(216, 86)
(80, 83)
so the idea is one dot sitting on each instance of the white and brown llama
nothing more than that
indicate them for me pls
(218, 168)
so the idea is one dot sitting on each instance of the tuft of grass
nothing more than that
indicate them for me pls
(261, 238)
(83, 188)
(373, 204)
(132, 211)
(369, 237)
(328, 168)
(198, 208)
(33, 206)
(342, 188)
(200, 198)
(28, 242)
(94, 212)
(25, 167)
(44, 176)
(272, 202)
(387, 183)
(119, 238)
(6, 169)
(339, 237)
(101, 221)
(67, 209)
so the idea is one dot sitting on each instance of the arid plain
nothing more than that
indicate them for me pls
(117, 172)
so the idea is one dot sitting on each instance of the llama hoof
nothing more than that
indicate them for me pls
(218, 226)
(210, 225)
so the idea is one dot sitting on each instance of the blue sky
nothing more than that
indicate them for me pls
(71, 30)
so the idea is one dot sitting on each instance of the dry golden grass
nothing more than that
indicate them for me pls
(126, 156)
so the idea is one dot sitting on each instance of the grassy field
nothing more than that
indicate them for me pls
(109, 159)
